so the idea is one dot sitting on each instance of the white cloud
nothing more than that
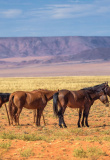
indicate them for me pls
(11, 13)
(74, 10)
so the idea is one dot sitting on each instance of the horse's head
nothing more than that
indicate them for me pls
(103, 98)
(108, 91)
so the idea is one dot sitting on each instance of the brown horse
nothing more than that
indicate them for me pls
(36, 99)
(82, 99)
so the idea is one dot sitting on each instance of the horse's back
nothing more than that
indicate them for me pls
(18, 98)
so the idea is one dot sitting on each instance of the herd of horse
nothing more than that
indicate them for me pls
(37, 100)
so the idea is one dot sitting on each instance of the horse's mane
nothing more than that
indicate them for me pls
(95, 88)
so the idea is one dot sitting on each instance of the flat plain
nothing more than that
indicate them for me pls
(27, 141)
(71, 68)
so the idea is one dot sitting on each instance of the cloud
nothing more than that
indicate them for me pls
(11, 13)
(73, 10)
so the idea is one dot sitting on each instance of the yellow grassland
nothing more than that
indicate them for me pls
(52, 83)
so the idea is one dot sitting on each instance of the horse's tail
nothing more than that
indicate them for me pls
(10, 106)
(55, 103)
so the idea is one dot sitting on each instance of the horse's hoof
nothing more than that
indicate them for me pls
(60, 126)
(82, 125)
(65, 126)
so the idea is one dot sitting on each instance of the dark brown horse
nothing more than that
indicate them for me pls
(4, 97)
(36, 99)
(82, 99)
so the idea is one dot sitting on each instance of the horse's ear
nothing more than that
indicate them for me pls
(58, 90)
(106, 83)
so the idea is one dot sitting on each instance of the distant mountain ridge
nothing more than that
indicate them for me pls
(60, 49)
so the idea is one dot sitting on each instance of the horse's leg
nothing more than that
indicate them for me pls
(80, 113)
(11, 114)
(85, 115)
(40, 114)
(18, 114)
(63, 117)
(37, 119)
(43, 119)
(60, 117)
(15, 109)
(83, 118)
(34, 115)
(86, 120)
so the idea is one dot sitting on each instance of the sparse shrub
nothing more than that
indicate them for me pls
(80, 153)
(5, 145)
(26, 153)
(91, 152)
(9, 135)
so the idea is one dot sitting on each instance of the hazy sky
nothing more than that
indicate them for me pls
(42, 18)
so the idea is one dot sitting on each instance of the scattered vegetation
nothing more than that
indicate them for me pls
(5, 145)
(26, 153)
(91, 152)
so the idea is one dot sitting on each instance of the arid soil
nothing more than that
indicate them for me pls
(51, 142)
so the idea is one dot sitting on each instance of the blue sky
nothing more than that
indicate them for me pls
(43, 18)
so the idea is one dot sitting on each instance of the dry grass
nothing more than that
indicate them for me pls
(52, 83)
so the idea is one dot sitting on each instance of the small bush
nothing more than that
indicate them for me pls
(91, 152)
(26, 153)
(80, 153)
(5, 145)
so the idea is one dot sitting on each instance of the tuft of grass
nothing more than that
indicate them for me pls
(26, 153)
(80, 153)
(29, 137)
(95, 152)
(5, 145)
(9, 135)
(91, 152)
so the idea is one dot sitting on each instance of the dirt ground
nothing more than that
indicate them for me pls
(51, 142)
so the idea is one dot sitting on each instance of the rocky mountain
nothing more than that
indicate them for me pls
(59, 49)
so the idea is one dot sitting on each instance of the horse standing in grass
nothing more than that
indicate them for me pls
(36, 99)
(82, 99)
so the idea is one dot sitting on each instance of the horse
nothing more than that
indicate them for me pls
(4, 97)
(36, 99)
(82, 99)
(103, 98)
